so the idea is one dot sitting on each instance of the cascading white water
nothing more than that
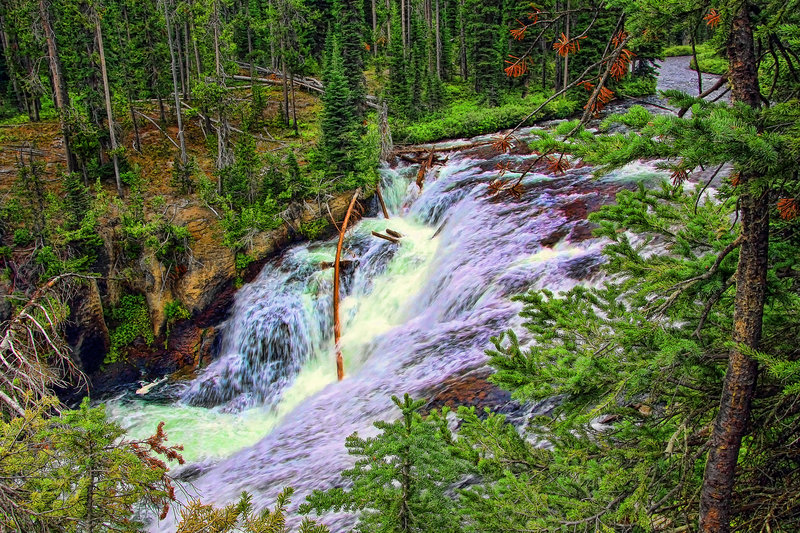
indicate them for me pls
(414, 315)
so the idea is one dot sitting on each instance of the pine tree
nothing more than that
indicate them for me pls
(350, 28)
(400, 477)
(339, 117)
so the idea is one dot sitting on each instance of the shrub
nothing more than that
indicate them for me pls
(132, 318)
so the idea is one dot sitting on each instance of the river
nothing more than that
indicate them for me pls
(269, 413)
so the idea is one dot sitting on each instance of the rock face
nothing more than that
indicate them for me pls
(205, 286)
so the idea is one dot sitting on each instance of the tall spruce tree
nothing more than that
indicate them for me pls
(339, 123)
(350, 27)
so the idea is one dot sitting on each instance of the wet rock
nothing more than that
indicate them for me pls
(471, 389)
(86, 331)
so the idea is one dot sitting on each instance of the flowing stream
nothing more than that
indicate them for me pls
(269, 413)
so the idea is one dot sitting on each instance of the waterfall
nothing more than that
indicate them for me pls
(414, 316)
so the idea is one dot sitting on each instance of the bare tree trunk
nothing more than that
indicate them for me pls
(7, 52)
(217, 58)
(438, 44)
(193, 33)
(337, 326)
(294, 108)
(179, 59)
(285, 110)
(173, 68)
(738, 389)
(60, 94)
(374, 29)
(403, 24)
(188, 91)
(107, 95)
(462, 41)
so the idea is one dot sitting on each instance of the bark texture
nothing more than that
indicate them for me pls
(740, 379)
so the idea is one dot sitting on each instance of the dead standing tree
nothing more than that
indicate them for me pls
(337, 326)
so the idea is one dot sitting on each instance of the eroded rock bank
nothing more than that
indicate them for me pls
(204, 286)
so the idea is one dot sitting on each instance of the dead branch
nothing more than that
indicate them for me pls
(34, 358)
(383, 204)
(386, 237)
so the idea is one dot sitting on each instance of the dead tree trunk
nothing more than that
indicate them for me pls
(173, 67)
(60, 93)
(107, 95)
(337, 326)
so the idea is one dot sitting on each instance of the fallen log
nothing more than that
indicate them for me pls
(386, 237)
(423, 170)
(344, 262)
(393, 233)
(383, 204)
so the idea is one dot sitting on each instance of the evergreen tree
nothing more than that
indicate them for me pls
(483, 20)
(397, 86)
(339, 122)
(400, 476)
(349, 16)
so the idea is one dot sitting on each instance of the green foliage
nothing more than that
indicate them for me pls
(184, 176)
(174, 311)
(633, 87)
(240, 517)
(467, 118)
(241, 227)
(242, 261)
(400, 477)
(313, 228)
(77, 472)
(131, 319)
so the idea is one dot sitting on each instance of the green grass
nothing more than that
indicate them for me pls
(468, 118)
(708, 58)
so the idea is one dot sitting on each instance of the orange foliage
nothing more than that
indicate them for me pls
(519, 33)
(788, 208)
(503, 167)
(565, 46)
(713, 18)
(603, 97)
(516, 68)
(367, 47)
(679, 175)
(504, 143)
(735, 180)
(620, 67)
(534, 13)
(557, 166)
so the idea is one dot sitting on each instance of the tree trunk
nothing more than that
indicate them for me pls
(337, 326)
(179, 59)
(187, 94)
(107, 95)
(462, 42)
(740, 379)
(403, 24)
(294, 108)
(60, 94)
(9, 57)
(438, 44)
(374, 29)
(566, 57)
(173, 67)
(286, 118)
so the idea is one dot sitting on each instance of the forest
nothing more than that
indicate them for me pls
(551, 247)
